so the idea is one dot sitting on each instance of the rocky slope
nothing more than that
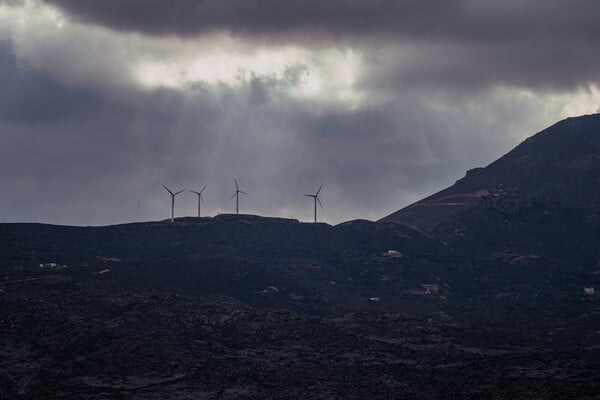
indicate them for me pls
(560, 164)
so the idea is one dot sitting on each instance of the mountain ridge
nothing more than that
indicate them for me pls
(558, 164)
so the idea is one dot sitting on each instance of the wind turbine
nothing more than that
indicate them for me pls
(237, 197)
(172, 201)
(316, 198)
(200, 199)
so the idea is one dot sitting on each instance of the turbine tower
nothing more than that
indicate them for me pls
(172, 201)
(236, 194)
(200, 199)
(316, 198)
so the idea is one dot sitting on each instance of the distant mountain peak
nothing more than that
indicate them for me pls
(560, 163)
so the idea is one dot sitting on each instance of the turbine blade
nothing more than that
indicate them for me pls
(203, 189)
(168, 190)
(319, 191)
(201, 200)
(309, 195)
(319, 201)
(235, 194)
(194, 192)
(236, 185)
(176, 193)
(243, 192)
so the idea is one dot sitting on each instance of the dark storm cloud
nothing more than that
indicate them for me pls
(540, 44)
(28, 95)
(473, 19)
(557, 65)
(188, 17)
(95, 169)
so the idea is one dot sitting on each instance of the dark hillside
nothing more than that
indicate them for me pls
(492, 305)
(560, 164)
(498, 297)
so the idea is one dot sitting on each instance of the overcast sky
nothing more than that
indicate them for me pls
(382, 101)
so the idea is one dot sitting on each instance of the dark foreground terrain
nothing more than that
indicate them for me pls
(251, 308)
(495, 295)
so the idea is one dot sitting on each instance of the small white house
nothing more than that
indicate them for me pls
(52, 266)
(392, 253)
